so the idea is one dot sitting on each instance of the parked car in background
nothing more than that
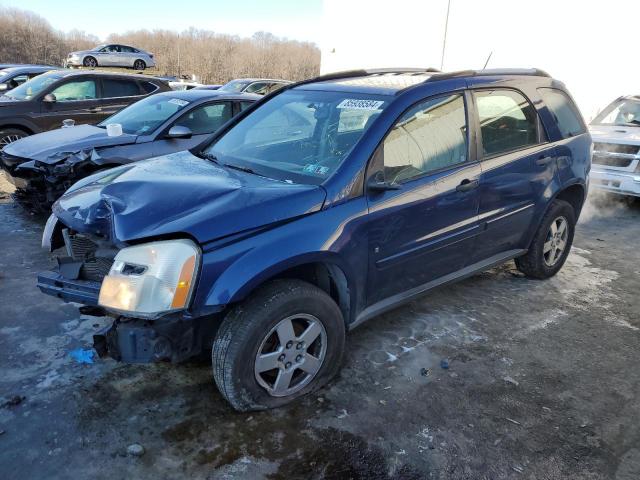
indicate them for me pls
(616, 147)
(43, 166)
(183, 85)
(43, 102)
(13, 77)
(112, 55)
(208, 87)
(259, 86)
(335, 200)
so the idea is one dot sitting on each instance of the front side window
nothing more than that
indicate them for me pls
(33, 87)
(430, 136)
(113, 88)
(624, 112)
(564, 112)
(296, 135)
(245, 105)
(206, 119)
(146, 115)
(76, 90)
(508, 121)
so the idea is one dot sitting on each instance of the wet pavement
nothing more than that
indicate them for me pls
(542, 383)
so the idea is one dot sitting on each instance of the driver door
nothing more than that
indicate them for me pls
(425, 227)
(75, 99)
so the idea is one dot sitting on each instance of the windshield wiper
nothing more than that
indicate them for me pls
(209, 156)
(242, 169)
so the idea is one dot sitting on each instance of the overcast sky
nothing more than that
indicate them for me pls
(295, 19)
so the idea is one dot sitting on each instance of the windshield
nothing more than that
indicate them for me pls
(234, 86)
(145, 116)
(33, 87)
(624, 112)
(299, 136)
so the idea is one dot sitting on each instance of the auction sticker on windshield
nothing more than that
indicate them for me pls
(355, 104)
(177, 101)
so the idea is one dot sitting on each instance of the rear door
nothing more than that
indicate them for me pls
(202, 120)
(76, 99)
(117, 93)
(518, 167)
(424, 229)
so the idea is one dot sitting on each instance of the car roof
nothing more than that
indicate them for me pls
(79, 73)
(392, 81)
(29, 68)
(260, 80)
(194, 95)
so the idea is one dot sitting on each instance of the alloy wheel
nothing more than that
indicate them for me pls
(291, 355)
(555, 241)
(7, 139)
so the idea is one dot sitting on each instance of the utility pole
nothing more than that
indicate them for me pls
(444, 40)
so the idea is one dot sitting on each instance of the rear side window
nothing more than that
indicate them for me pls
(113, 88)
(564, 111)
(430, 136)
(508, 121)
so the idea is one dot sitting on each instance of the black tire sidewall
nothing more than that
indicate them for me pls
(261, 322)
(86, 61)
(559, 208)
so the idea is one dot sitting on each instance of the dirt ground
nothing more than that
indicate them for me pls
(543, 383)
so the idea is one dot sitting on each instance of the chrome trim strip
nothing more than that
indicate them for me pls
(508, 214)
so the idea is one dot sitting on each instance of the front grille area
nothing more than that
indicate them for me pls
(96, 263)
(616, 148)
(611, 161)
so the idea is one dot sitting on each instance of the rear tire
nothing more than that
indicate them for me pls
(90, 62)
(257, 366)
(139, 65)
(551, 243)
(10, 135)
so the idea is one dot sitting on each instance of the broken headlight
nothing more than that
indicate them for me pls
(151, 279)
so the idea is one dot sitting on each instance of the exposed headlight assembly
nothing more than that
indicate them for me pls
(151, 279)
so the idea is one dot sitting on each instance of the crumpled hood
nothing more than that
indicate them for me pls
(50, 147)
(181, 193)
(615, 134)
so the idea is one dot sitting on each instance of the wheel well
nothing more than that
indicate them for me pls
(26, 130)
(574, 195)
(327, 277)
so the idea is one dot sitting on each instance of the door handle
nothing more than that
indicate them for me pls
(466, 185)
(543, 161)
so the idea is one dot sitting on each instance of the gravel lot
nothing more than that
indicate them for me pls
(543, 382)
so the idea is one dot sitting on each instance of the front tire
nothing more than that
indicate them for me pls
(139, 65)
(10, 135)
(283, 342)
(551, 243)
(90, 62)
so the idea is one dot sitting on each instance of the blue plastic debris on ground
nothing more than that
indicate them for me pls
(82, 355)
(444, 363)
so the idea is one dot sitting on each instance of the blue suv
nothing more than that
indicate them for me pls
(321, 206)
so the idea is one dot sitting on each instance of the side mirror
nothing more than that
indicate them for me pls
(377, 183)
(49, 98)
(178, 131)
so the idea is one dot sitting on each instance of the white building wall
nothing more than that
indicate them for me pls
(590, 45)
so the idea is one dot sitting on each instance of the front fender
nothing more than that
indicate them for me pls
(336, 236)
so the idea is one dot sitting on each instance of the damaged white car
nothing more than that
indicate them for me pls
(616, 147)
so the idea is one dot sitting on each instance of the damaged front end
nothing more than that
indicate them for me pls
(39, 183)
(83, 261)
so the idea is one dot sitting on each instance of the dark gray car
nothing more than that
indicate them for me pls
(13, 77)
(43, 166)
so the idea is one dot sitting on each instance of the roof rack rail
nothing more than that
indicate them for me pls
(533, 72)
(365, 73)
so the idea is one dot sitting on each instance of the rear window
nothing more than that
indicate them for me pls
(564, 111)
(113, 88)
